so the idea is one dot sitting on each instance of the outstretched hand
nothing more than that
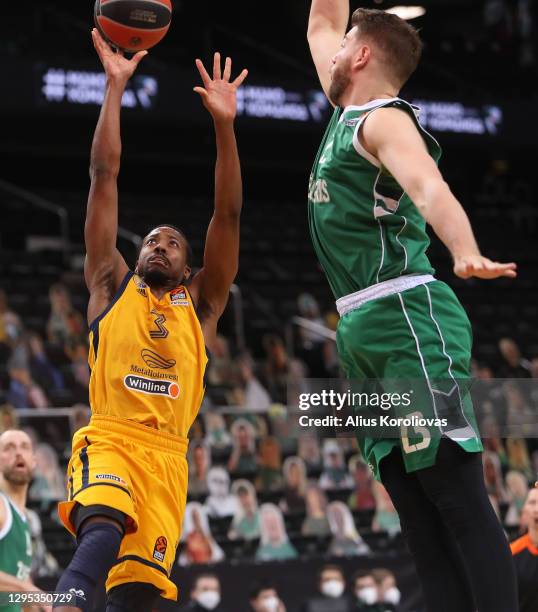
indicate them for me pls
(117, 67)
(482, 267)
(218, 93)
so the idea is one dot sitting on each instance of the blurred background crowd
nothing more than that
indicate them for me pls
(257, 490)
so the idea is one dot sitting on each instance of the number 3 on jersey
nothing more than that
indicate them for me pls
(159, 321)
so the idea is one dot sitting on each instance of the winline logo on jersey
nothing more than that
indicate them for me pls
(150, 386)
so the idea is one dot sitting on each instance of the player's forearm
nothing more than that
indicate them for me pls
(228, 183)
(448, 219)
(11, 583)
(328, 15)
(106, 146)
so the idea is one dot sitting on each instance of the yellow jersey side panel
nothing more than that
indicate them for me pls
(148, 358)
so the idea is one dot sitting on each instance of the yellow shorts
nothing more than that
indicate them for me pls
(143, 473)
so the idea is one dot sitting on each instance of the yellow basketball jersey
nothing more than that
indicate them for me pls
(148, 358)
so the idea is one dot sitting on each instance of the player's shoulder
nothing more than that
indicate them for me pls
(383, 122)
(397, 109)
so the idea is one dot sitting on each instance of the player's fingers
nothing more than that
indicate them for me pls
(466, 268)
(497, 266)
(95, 45)
(493, 265)
(510, 273)
(206, 79)
(96, 36)
(508, 266)
(216, 66)
(201, 91)
(138, 56)
(239, 80)
(508, 270)
(98, 42)
(461, 271)
(227, 69)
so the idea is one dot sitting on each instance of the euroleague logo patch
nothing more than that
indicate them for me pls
(152, 386)
(160, 548)
(178, 297)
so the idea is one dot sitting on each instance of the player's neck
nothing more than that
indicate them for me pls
(366, 91)
(17, 494)
(160, 290)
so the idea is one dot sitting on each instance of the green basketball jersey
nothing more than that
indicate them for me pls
(364, 227)
(15, 546)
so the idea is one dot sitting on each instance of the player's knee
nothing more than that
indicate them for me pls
(97, 551)
(132, 597)
(81, 516)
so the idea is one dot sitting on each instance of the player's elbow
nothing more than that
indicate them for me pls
(229, 216)
(311, 34)
(104, 169)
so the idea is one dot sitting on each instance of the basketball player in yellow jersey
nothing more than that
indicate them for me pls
(127, 477)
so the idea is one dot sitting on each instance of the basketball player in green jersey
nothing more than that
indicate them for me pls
(374, 186)
(17, 464)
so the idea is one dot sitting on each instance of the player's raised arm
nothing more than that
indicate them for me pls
(326, 28)
(407, 159)
(211, 285)
(104, 266)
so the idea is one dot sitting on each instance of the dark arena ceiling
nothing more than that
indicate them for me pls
(478, 44)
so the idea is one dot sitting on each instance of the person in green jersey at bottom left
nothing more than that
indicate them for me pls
(17, 464)
(374, 186)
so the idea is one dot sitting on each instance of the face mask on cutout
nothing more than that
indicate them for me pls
(392, 596)
(208, 599)
(332, 588)
(270, 604)
(367, 595)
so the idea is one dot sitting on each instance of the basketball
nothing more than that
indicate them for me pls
(133, 25)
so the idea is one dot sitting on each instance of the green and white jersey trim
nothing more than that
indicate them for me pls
(458, 434)
(350, 302)
(9, 517)
(391, 205)
(463, 433)
(364, 227)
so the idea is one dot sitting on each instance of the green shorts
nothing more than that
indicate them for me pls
(421, 334)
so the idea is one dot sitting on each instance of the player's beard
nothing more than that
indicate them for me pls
(18, 477)
(154, 277)
(340, 82)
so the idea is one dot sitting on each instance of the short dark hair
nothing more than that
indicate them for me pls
(363, 573)
(330, 567)
(242, 490)
(203, 575)
(259, 586)
(380, 573)
(398, 40)
(176, 229)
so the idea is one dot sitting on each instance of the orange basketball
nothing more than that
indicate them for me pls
(133, 25)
